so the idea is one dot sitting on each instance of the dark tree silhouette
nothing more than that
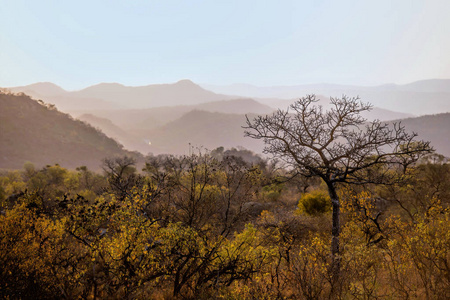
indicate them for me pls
(339, 146)
(121, 175)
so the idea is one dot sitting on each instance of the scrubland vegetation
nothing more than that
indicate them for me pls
(216, 226)
(347, 210)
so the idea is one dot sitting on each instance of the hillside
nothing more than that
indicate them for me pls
(417, 98)
(394, 101)
(34, 132)
(39, 89)
(236, 106)
(164, 115)
(30, 131)
(211, 130)
(63, 100)
(183, 92)
(115, 95)
(375, 113)
(428, 85)
(143, 119)
(201, 129)
(433, 128)
(127, 139)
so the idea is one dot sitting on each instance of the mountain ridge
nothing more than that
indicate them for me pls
(212, 130)
(40, 134)
(36, 132)
(421, 97)
(147, 96)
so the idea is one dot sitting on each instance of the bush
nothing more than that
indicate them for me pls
(314, 203)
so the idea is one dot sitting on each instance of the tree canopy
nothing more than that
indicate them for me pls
(339, 146)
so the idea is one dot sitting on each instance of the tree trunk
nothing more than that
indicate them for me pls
(335, 251)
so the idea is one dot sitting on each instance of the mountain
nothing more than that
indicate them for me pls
(183, 92)
(164, 115)
(417, 98)
(236, 106)
(32, 131)
(142, 119)
(158, 117)
(427, 86)
(62, 99)
(375, 113)
(282, 92)
(417, 103)
(117, 96)
(136, 128)
(211, 130)
(39, 89)
(382, 114)
(126, 138)
(433, 128)
(201, 129)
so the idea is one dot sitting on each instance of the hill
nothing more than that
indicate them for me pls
(427, 86)
(236, 106)
(39, 89)
(433, 128)
(183, 92)
(63, 100)
(375, 113)
(143, 119)
(201, 129)
(211, 130)
(126, 138)
(32, 131)
(115, 95)
(417, 98)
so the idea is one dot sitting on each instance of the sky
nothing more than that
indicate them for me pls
(266, 43)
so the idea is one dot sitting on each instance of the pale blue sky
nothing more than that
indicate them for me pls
(79, 43)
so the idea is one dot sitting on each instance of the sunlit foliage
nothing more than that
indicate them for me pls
(218, 227)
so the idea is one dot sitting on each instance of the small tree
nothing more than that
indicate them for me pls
(121, 175)
(337, 145)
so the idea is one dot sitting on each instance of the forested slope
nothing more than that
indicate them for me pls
(35, 132)
(433, 128)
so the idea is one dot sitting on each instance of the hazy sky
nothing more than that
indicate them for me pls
(79, 43)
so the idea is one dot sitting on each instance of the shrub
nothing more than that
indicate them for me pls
(314, 203)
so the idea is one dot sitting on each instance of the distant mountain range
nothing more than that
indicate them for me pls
(131, 127)
(64, 101)
(105, 98)
(183, 92)
(168, 118)
(30, 131)
(211, 130)
(137, 119)
(422, 97)
(433, 128)
(126, 138)
(202, 129)
(375, 113)
(116, 96)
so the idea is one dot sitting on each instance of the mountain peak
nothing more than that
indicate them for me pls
(185, 82)
(108, 84)
(41, 88)
(45, 84)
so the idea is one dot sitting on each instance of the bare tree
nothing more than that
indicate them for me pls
(121, 175)
(337, 145)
